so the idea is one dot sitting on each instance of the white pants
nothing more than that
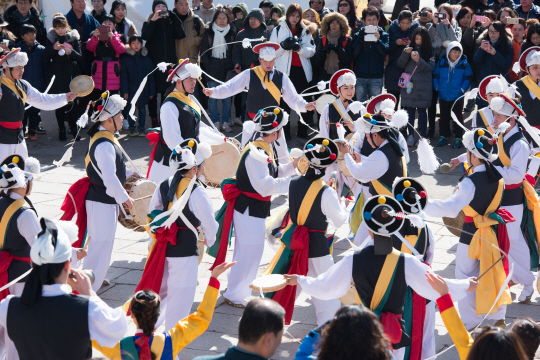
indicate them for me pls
(160, 172)
(8, 350)
(249, 235)
(10, 149)
(519, 249)
(101, 226)
(177, 289)
(428, 340)
(465, 268)
(325, 309)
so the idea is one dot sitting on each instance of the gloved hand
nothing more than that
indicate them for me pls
(287, 44)
(295, 46)
(331, 47)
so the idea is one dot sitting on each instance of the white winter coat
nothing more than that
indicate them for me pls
(284, 57)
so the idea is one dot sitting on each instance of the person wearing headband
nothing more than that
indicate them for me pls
(15, 95)
(380, 275)
(180, 116)
(172, 266)
(479, 195)
(247, 202)
(265, 83)
(312, 205)
(67, 322)
(146, 306)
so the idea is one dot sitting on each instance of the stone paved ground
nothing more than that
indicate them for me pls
(130, 248)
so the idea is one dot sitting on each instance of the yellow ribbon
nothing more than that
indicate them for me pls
(268, 84)
(100, 134)
(13, 87)
(186, 100)
(531, 85)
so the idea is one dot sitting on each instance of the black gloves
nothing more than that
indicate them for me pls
(331, 47)
(287, 44)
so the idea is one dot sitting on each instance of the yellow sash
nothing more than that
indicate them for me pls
(384, 278)
(489, 285)
(412, 239)
(531, 85)
(100, 134)
(13, 87)
(186, 100)
(505, 160)
(268, 84)
(486, 123)
(383, 190)
(4, 223)
(303, 212)
(184, 183)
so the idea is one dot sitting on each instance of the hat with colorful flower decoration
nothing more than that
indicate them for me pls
(382, 215)
(410, 194)
(184, 70)
(321, 152)
(374, 123)
(482, 144)
(180, 161)
(16, 171)
(109, 106)
(14, 58)
(270, 119)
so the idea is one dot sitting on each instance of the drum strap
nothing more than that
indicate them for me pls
(341, 109)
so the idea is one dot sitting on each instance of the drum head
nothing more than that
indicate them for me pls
(269, 283)
(82, 85)
(303, 165)
(351, 298)
(456, 222)
(322, 101)
(342, 165)
(140, 188)
(223, 162)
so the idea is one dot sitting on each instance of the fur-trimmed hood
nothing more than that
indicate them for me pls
(325, 23)
(130, 51)
(71, 35)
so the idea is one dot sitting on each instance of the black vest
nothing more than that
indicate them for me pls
(258, 97)
(511, 196)
(14, 242)
(530, 106)
(12, 110)
(483, 196)
(186, 241)
(53, 328)
(407, 229)
(395, 168)
(189, 122)
(97, 191)
(316, 220)
(334, 117)
(366, 150)
(257, 208)
(366, 270)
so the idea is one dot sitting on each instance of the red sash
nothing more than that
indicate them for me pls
(11, 125)
(153, 136)
(392, 327)
(77, 206)
(5, 260)
(230, 193)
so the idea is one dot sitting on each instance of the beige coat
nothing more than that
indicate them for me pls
(188, 47)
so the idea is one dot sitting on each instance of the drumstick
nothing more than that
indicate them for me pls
(144, 197)
(200, 82)
(85, 248)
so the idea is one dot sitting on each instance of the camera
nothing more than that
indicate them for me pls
(512, 21)
(164, 13)
(479, 18)
(370, 29)
(441, 16)
(424, 14)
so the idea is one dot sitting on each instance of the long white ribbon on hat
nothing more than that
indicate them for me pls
(13, 282)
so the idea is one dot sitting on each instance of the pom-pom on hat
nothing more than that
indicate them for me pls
(492, 84)
(384, 103)
(14, 58)
(270, 119)
(266, 51)
(321, 152)
(379, 214)
(410, 194)
(341, 78)
(371, 123)
(109, 106)
(15, 171)
(184, 70)
(529, 57)
(183, 155)
(505, 106)
(482, 144)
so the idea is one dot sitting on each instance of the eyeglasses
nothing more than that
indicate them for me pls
(343, 5)
(493, 32)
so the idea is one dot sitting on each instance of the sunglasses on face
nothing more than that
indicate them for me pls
(343, 5)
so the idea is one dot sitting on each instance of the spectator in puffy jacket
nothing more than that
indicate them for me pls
(125, 27)
(188, 47)
(369, 57)
(400, 35)
(217, 63)
(452, 76)
(240, 12)
(160, 34)
(254, 28)
(135, 66)
(277, 12)
(106, 66)
(34, 73)
(494, 55)
(23, 12)
(206, 11)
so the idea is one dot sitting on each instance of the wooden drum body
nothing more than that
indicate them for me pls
(136, 216)
(223, 162)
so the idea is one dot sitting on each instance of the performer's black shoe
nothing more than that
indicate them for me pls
(62, 135)
(40, 130)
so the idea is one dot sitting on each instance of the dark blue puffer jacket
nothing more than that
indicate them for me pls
(452, 83)
(393, 71)
(36, 69)
(369, 56)
(134, 67)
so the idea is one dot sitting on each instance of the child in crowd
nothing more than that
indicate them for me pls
(34, 73)
(63, 51)
(135, 65)
(452, 77)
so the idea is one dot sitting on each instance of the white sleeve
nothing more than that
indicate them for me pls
(323, 123)
(333, 283)
(370, 168)
(170, 128)
(403, 144)
(291, 97)
(201, 206)
(415, 277)
(28, 225)
(455, 203)
(333, 209)
(106, 162)
(473, 121)
(287, 169)
(359, 141)
(262, 182)
(232, 87)
(4, 305)
(107, 326)
(463, 157)
(430, 251)
(44, 101)
(519, 154)
(156, 202)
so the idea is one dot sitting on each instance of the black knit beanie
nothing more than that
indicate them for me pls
(156, 3)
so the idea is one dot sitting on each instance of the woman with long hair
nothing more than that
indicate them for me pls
(348, 9)
(218, 62)
(354, 333)
(533, 37)
(313, 17)
(417, 60)
(296, 48)
(122, 24)
(504, 14)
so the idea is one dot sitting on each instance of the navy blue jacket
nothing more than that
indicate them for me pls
(90, 24)
(134, 67)
(497, 64)
(36, 69)
(369, 56)
(393, 71)
(451, 84)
